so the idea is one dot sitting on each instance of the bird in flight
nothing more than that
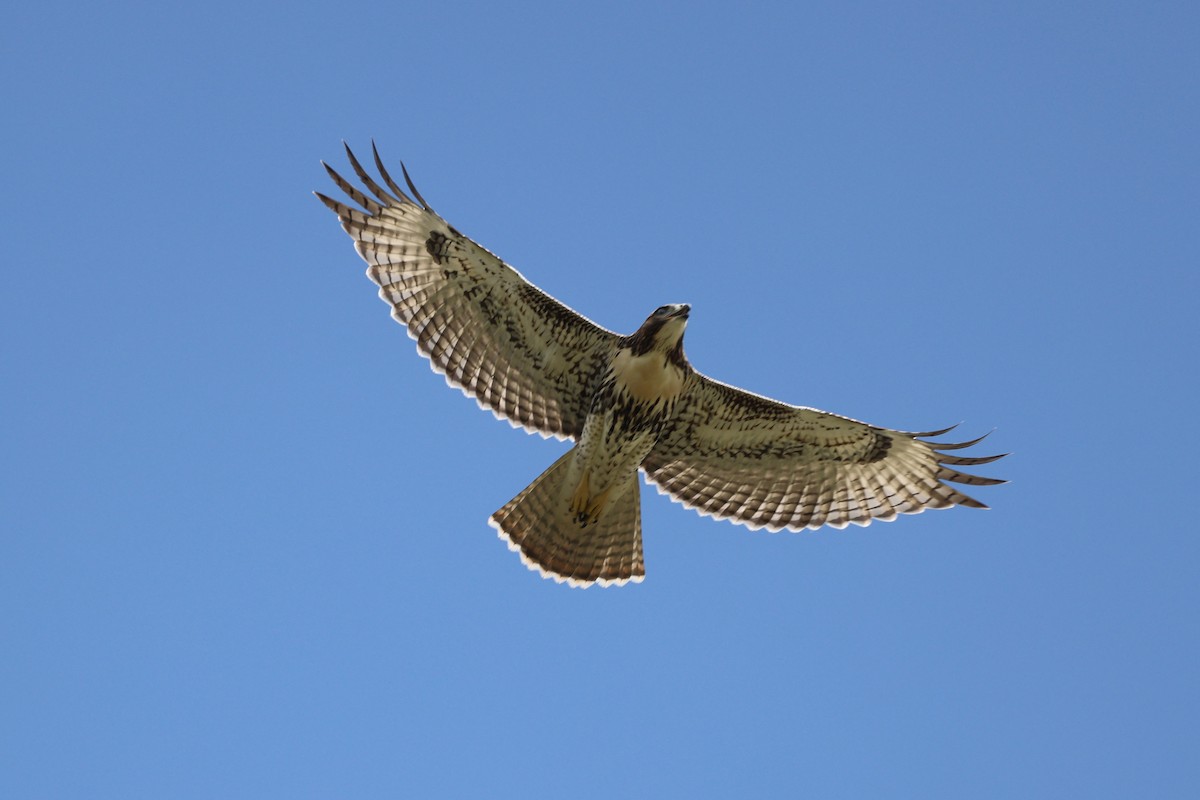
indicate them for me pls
(628, 402)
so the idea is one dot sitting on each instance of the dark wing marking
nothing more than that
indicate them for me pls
(734, 455)
(515, 349)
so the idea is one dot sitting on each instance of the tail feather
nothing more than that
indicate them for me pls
(538, 525)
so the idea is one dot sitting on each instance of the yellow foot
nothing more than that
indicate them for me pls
(579, 498)
(597, 505)
(585, 508)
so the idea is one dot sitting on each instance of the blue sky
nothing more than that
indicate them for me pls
(244, 548)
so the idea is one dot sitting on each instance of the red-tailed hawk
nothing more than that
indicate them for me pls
(629, 402)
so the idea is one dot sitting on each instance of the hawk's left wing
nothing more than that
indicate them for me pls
(735, 455)
(515, 349)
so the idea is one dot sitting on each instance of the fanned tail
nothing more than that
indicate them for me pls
(538, 524)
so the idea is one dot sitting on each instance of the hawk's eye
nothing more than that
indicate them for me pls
(662, 310)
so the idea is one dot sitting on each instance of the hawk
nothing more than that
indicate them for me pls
(628, 402)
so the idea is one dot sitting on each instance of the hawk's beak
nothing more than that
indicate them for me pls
(683, 311)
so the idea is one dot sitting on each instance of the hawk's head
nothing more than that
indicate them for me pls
(662, 330)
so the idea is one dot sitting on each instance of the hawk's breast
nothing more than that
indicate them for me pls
(647, 378)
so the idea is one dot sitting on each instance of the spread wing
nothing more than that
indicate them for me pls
(734, 455)
(519, 352)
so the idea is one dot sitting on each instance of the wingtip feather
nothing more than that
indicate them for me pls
(387, 176)
(412, 188)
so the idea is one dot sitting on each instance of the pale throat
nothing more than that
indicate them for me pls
(649, 377)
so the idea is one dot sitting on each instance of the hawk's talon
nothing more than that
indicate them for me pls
(579, 498)
(586, 507)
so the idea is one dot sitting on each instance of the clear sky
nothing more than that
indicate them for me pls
(244, 550)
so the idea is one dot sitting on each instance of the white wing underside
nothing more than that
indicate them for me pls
(491, 333)
(738, 456)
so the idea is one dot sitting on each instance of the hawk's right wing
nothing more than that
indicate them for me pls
(519, 352)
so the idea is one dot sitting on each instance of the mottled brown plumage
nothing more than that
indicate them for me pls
(629, 402)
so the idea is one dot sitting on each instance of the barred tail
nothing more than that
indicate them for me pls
(538, 524)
